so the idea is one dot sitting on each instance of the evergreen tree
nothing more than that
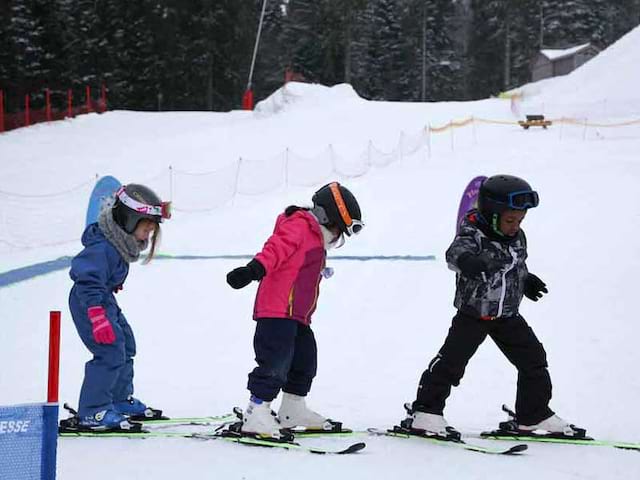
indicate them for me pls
(567, 23)
(307, 37)
(22, 39)
(170, 54)
(429, 28)
(7, 60)
(272, 56)
(381, 52)
(486, 50)
(84, 49)
(55, 70)
(503, 44)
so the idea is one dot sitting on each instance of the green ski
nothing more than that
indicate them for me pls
(205, 421)
(402, 433)
(497, 435)
(244, 440)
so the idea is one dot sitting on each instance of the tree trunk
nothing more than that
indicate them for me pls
(347, 50)
(507, 52)
(210, 84)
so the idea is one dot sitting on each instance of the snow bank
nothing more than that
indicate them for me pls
(604, 87)
(296, 93)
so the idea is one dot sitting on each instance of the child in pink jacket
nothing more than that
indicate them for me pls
(289, 269)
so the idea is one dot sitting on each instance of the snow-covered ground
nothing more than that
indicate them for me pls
(605, 87)
(379, 322)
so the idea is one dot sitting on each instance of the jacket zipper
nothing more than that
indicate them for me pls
(503, 291)
(315, 300)
(291, 302)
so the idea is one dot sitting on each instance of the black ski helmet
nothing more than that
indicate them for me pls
(504, 192)
(136, 202)
(334, 204)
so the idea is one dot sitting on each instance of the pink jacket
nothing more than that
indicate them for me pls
(293, 258)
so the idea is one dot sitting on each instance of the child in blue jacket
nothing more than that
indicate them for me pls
(98, 272)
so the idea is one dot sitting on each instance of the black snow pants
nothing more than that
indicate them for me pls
(515, 338)
(287, 358)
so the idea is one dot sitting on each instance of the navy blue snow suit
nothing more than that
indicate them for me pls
(96, 272)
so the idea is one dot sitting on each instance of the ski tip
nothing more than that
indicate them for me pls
(356, 447)
(517, 449)
(635, 448)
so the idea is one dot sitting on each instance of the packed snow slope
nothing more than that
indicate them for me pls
(605, 87)
(378, 323)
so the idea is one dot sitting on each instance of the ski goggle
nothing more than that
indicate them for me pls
(522, 200)
(354, 226)
(163, 210)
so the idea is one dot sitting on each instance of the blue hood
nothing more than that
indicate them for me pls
(92, 235)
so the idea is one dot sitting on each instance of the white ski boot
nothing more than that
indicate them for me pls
(295, 413)
(428, 424)
(258, 419)
(553, 424)
(431, 424)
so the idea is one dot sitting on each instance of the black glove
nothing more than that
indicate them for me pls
(534, 287)
(242, 276)
(474, 266)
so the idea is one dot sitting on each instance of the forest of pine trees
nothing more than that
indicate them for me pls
(195, 55)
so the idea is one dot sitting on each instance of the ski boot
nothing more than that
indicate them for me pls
(104, 421)
(552, 427)
(425, 424)
(294, 412)
(259, 421)
(137, 411)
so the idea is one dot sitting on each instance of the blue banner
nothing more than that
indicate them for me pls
(28, 442)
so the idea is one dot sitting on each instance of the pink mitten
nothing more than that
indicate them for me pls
(101, 326)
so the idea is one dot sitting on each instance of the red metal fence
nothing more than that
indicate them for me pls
(29, 116)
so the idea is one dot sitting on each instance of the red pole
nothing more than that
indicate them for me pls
(48, 95)
(247, 100)
(54, 356)
(69, 103)
(1, 111)
(27, 119)
(88, 96)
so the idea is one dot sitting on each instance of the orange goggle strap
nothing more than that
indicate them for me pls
(342, 207)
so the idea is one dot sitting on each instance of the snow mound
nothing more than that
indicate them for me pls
(293, 94)
(605, 86)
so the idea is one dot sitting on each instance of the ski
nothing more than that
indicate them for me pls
(125, 434)
(501, 435)
(399, 432)
(192, 421)
(274, 443)
(157, 419)
(245, 440)
(318, 432)
(509, 430)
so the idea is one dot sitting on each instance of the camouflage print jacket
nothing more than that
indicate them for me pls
(499, 293)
